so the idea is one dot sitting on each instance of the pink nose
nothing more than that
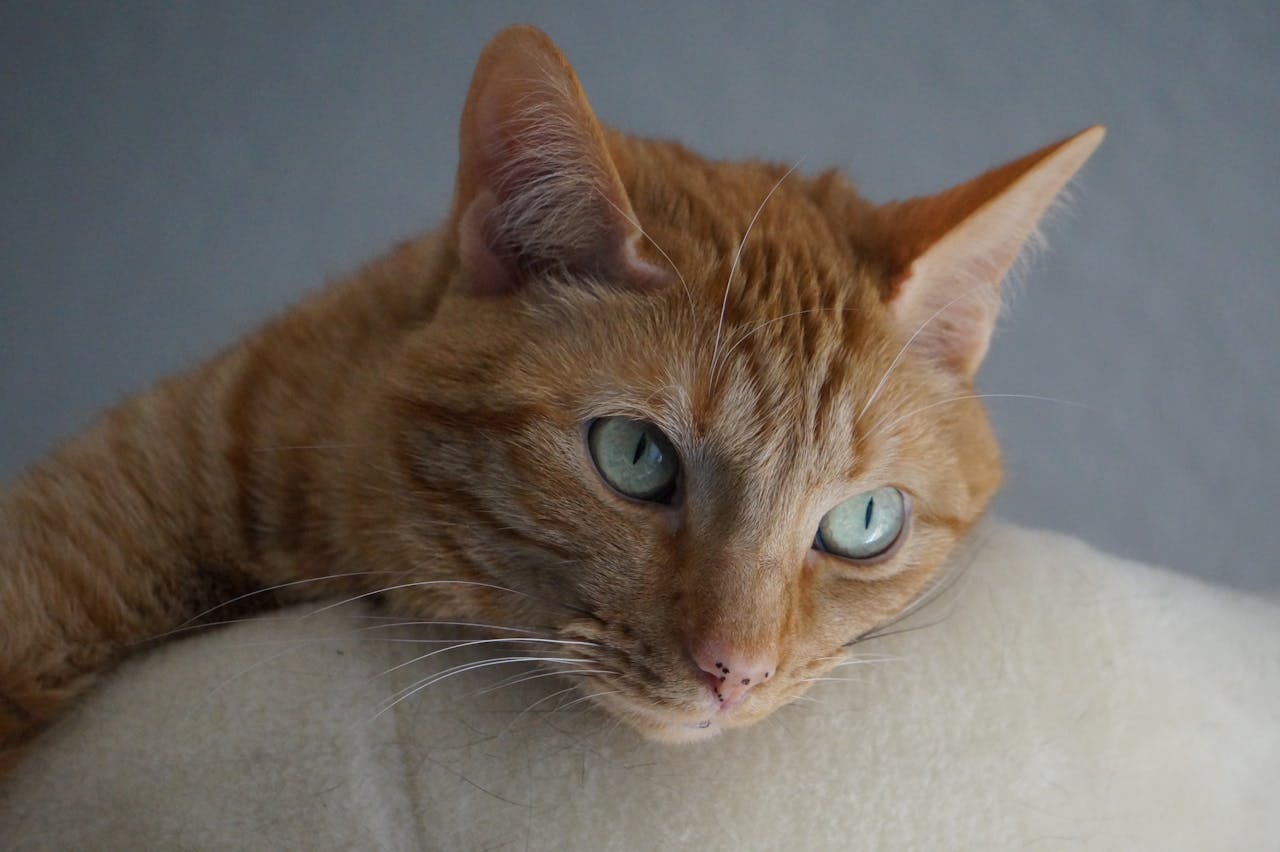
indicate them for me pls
(730, 673)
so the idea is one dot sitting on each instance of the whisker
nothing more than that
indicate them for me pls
(393, 623)
(274, 588)
(587, 697)
(760, 326)
(476, 624)
(294, 645)
(836, 679)
(687, 292)
(205, 625)
(845, 659)
(733, 267)
(516, 719)
(473, 642)
(865, 662)
(415, 584)
(881, 425)
(968, 291)
(936, 590)
(300, 644)
(456, 642)
(516, 680)
(415, 688)
(541, 700)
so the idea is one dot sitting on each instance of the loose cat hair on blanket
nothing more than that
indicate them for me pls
(695, 425)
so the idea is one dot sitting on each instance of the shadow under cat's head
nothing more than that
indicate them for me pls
(713, 421)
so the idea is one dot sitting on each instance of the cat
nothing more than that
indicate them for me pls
(696, 425)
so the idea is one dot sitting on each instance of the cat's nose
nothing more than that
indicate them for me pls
(729, 672)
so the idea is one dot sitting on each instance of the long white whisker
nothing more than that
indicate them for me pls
(969, 291)
(274, 588)
(546, 698)
(415, 584)
(837, 679)
(946, 581)
(737, 257)
(763, 323)
(687, 292)
(293, 645)
(516, 680)
(205, 625)
(847, 658)
(472, 642)
(476, 624)
(417, 687)
(300, 644)
(867, 661)
(588, 697)
(882, 425)
(393, 623)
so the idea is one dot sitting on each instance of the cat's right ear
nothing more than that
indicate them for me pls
(537, 190)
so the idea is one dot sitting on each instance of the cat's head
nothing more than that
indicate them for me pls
(716, 420)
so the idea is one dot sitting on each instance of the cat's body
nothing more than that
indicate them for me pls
(427, 429)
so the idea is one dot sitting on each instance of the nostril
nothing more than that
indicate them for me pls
(730, 672)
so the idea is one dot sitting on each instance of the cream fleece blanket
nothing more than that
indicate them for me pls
(1056, 698)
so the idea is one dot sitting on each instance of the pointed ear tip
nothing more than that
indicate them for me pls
(521, 37)
(1087, 140)
(515, 58)
(510, 63)
(1072, 152)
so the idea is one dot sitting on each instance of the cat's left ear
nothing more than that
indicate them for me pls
(947, 253)
(537, 190)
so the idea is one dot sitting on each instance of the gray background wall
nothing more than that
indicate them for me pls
(172, 173)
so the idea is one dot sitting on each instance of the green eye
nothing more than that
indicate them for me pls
(634, 457)
(865, 526)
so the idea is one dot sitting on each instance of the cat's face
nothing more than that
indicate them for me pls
(708, 457)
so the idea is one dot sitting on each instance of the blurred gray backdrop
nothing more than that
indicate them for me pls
(175, 172)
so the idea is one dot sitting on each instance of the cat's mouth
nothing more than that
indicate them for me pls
(676, 725)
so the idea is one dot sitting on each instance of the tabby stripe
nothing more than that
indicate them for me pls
(507, 420)
(456, 497)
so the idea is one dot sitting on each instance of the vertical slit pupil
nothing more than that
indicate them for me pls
(871, 505)
(641, 445)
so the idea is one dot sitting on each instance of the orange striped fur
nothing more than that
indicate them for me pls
(424, 420)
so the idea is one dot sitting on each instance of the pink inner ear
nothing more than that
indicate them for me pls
(951, 250)
(488, 274)
(537, 187)
(636, 270)
(948, 319)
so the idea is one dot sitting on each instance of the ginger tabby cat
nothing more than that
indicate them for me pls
(699, 425)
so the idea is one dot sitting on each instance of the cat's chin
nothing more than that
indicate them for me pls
(674, 732)
(665, 726)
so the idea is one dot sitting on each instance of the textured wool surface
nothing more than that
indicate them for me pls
(1054, 698)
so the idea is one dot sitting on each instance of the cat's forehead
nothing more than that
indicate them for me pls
(772, 328)
(769, 382)
(756, 244)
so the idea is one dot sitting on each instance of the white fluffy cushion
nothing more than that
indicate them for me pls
(1058, 698)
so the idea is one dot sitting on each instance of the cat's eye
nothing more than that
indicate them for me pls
(865, 526)
(634, 457)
